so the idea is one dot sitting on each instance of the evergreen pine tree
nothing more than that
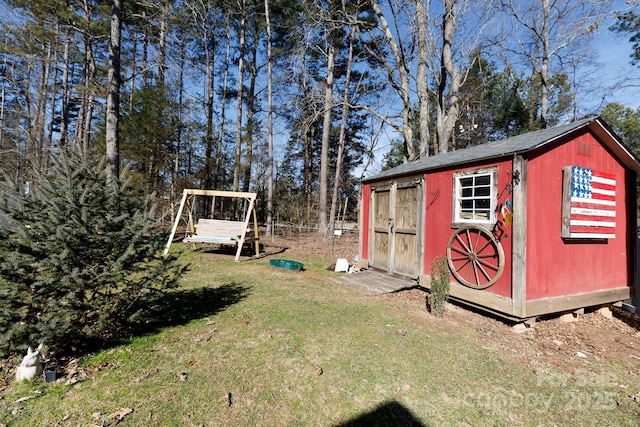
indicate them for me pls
(73, 273)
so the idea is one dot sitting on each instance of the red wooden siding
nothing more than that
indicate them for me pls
(438, 218)
(556, 267)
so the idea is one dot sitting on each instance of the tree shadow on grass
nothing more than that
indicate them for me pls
(390, 413)
(153, 313)
(179, 307)
(248, 252)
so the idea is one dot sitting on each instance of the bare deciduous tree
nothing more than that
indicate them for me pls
(397, 68)
(461, 33)
(543, 34)
(343, 126)
(422, 84)
(449, 80)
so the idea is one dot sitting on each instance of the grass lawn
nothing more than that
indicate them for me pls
(261, 346)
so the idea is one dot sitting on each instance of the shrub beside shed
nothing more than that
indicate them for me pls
(531, 225)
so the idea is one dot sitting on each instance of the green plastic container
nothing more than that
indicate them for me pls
(287, 264)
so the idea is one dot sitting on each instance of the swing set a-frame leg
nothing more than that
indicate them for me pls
(251, 210)
(176, 222)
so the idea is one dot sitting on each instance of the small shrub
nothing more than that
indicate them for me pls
(440, 283)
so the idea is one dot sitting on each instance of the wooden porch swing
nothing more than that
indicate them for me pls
(217, 229)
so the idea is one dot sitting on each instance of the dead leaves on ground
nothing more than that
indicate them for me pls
(101, 419)
(147, 374)
(112, 419)
(75, 374)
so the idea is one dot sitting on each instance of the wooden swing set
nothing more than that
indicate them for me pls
(217, 229)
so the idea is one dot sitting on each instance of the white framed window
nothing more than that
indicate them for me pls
(474, 196)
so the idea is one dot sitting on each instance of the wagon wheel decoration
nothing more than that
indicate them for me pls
(475, 257)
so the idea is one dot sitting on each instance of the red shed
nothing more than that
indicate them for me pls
(535, 224)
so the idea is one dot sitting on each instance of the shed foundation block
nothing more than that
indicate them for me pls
(605, 312)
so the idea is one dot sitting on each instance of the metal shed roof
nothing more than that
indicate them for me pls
(519, 144)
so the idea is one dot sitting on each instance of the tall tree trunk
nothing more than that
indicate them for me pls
(162, 44)
(225, 81)
(208, 136)
(113, 95)
(146, 74)
(64, 113)
(544, 66)
(326, 131)
(241, 47)
(404, 88)
(29, 111)
(80, 120)
(269, 122)
(343, 127)
(41, 105)
(448, 97)
(162, 67)
(250, 95)
(421, 79)
(532, 107)
(89, 80)
(90, 97)
(50, 101)
(308, 136)
(178, 147)
(53, 90)
(134, 70)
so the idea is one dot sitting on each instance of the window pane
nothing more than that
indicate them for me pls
(483, 203)
(466, 182)
(482, 191)
(467, 192)
(482, 215)
(483, 180)
(466, 205)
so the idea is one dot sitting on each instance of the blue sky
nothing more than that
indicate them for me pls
(612, 53)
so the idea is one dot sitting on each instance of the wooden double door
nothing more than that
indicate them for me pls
(395, 225)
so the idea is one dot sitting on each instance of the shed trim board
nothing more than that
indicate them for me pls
(364, 237)
(519, 235)
(529, 174)
(557, 304)
(498, 303)
(632, 179)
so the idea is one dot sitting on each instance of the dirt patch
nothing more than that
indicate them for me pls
(296, 244)
(293, 245)
(550, 342)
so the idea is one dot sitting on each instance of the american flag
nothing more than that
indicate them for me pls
(593, 204)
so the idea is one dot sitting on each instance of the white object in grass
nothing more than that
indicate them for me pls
(342, 265)
(30, 366)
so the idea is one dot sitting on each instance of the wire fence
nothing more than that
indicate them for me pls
(284, 229)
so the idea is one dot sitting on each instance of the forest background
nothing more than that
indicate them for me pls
(297, 99)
